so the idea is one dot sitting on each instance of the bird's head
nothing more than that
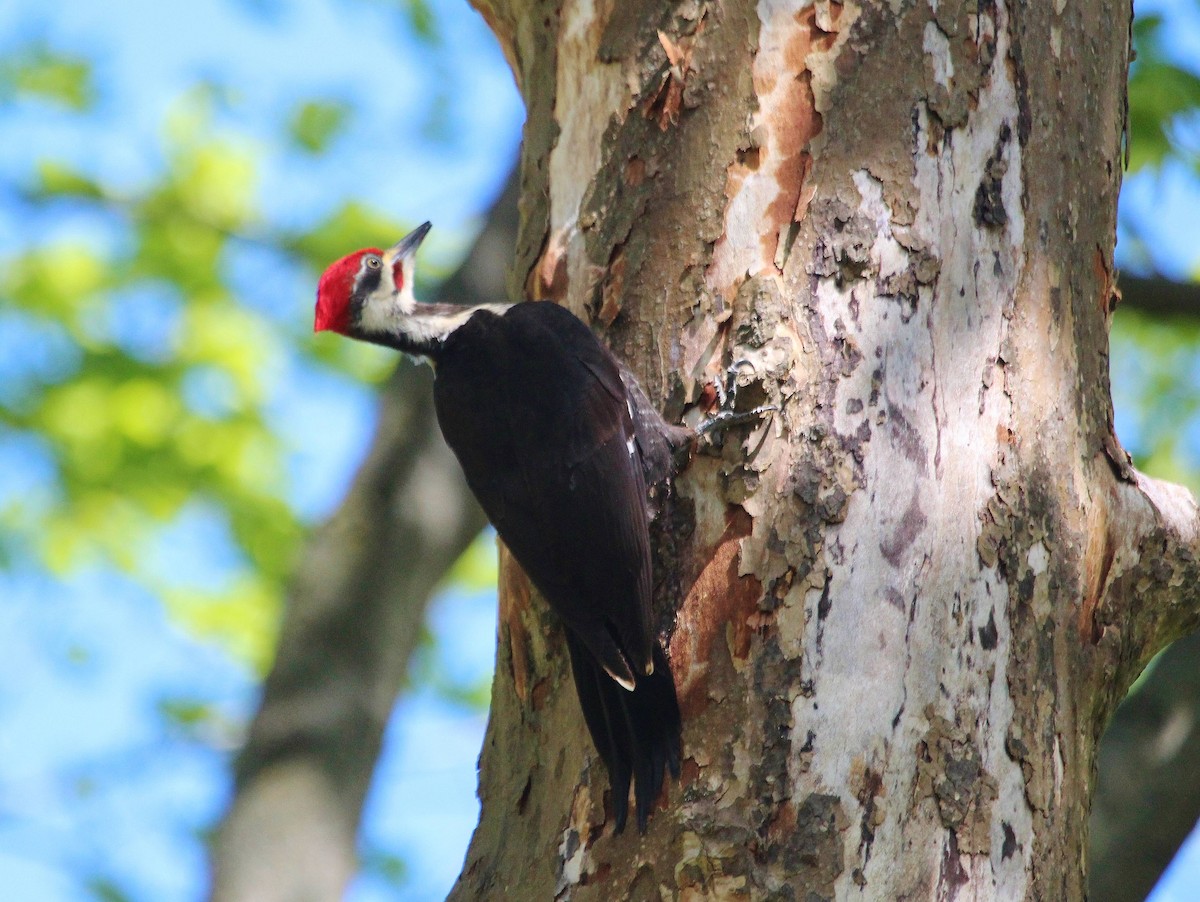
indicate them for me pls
(370, 290)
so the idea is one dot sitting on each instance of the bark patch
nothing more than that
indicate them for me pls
(950, 770)
(812, 854)
(718, 607)
(912, 523)
(514, 605)
(988, 634)
(989, 201)
(1096, 570)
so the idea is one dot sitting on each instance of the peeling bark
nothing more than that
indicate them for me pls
(901, 612)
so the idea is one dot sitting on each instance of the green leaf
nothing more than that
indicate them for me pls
(185, 714)
(385, 866)
(421, 20)
(106, 890)
(315, 124)
(1161, 94)
(58, 180)
(43, 74)
(352, 226)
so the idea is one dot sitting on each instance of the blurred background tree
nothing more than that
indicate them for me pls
(170, 187)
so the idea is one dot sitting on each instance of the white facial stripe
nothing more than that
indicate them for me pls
(384, 307)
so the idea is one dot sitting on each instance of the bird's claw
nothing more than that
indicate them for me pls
(726, 417)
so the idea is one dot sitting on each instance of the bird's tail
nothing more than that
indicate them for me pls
(637, 733)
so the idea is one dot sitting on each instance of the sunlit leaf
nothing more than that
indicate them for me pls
(1161, 94)
(314, 124)
(350, 227)
(45, 74)
(243, 618)
(58, 180)
(476, 568)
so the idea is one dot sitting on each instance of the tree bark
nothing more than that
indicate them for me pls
(901, 612)
(353, 616)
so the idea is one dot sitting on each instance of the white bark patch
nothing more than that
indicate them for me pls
(923, 402)
(937, 47)
(573, 853)
(589, 94)
(744, 249)
(1038, 558)
(1174, 504)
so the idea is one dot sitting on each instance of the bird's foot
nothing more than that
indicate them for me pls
(727, 416)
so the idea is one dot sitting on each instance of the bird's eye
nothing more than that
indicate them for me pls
(374, 262)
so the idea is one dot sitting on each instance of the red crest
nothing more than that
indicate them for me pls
(335, 290)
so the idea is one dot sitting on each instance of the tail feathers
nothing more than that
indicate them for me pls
(637, 733)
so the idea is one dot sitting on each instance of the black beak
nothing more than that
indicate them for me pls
(407, 246)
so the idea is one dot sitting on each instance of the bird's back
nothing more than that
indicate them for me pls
(535, 409)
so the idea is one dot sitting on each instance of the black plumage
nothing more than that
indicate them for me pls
(559, 443)
(540, 418)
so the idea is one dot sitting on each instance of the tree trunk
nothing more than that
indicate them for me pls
(901, 612)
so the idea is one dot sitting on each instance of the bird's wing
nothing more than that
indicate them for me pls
(535, 409)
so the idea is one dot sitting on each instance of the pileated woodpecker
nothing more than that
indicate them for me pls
(559, 443)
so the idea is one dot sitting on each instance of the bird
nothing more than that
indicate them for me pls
(559, 444)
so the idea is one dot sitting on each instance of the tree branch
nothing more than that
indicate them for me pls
(1141, 565)
(1159, 296)
(352, 620)
(1169, 563)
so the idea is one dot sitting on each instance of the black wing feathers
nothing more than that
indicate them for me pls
(537, 412)
(637, 733)
(545, 447)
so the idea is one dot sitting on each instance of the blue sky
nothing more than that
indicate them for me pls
(91, 784)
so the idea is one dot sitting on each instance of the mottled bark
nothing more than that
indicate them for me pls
(901, 612)
(353, 616)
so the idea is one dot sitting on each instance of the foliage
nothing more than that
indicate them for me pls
(1156, 364)
(1164, 97)
(153, 391)
(155, 350)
